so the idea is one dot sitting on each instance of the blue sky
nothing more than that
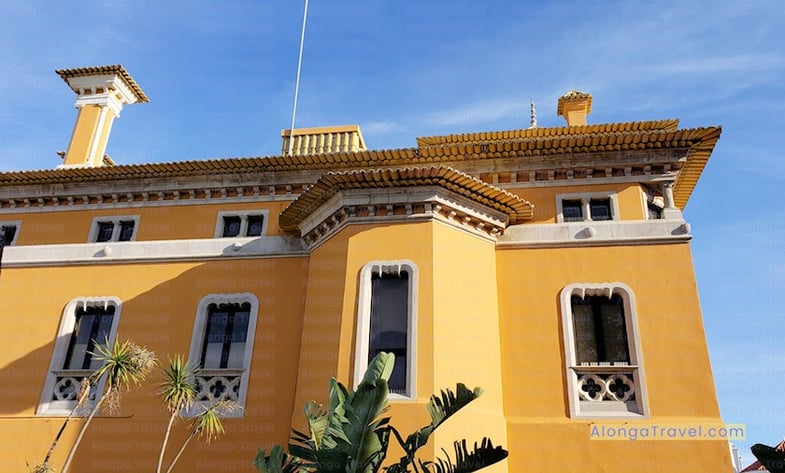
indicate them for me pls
(220, 77)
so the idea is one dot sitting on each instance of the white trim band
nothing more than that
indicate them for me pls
(167, 250)
(601, 233)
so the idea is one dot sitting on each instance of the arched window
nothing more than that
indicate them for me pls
(222, 346)
(387, 311)
(604, 372)
(86, 322)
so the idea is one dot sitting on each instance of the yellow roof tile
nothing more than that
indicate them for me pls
(658, 125)
(521, 144)
(118, 69)
(467, 186)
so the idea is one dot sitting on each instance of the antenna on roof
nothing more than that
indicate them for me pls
(297, 80)
(533, 119)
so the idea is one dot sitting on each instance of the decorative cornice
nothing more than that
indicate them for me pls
(209, 194)
(377, 207)
(543, 157)
(449, 179)
(116, 69)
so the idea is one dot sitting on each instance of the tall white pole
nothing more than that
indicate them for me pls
(297, 80)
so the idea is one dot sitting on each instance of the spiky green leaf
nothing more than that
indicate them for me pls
(277, 462)
(178, 389)
(467, 462)
(441, 408)
(208, 424)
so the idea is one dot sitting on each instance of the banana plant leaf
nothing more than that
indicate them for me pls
(441, 409)
(277, 462)
(352, 434)
(466, 462)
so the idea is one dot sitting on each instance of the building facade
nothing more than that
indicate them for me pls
(550, 266)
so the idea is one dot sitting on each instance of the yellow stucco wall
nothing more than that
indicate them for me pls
(680, 386)
(485, 316)
(158, 311)
(458, 345)
(199, 221)
(330, 321)
(155, 223)
(85, 129)
(631, 205)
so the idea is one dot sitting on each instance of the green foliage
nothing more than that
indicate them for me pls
(178, 390)
(123, 364)
(352, 435)
(440, 409)
(208, 424)
(465, 461)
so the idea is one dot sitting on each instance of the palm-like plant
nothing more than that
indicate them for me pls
(123, 364)
(178, 392)
(206, 426)
(352, 435)
(81, 400)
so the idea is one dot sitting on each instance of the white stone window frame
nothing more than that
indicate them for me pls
(603, 409)
(197, 341)
(115, 220)
(585, 198)
(219, 222)
(47, 406)
(651, 202)
(17, 224)
(364, 322)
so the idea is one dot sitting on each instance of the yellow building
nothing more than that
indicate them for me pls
(551, 266)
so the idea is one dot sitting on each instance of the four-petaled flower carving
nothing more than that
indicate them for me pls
(591, 388)
(619, 388)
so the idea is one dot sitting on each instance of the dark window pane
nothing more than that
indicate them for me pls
(655, 211)
(239, 335)
(105, 230)
(585, 331)
(8, 234)
(614, 330)
(572, 210)
(126, 230)
(600, 330)
(231, 226)
(225, 336)
(389, 323)
(255, 224)
(600, 209)
(214, 338)
(92, 326)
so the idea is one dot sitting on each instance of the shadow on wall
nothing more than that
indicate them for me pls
(162, 319)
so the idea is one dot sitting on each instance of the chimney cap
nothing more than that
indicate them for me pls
(116, 69)
(573, 96)
(573, 107)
